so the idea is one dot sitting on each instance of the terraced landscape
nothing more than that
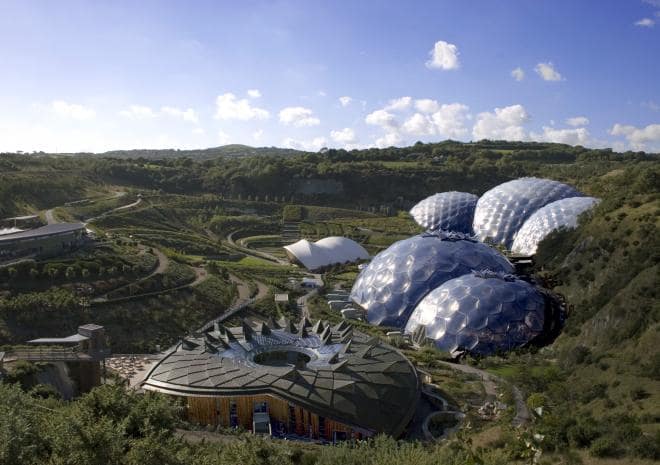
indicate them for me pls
(173, 262)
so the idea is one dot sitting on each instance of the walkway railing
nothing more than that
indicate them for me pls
(49, 354)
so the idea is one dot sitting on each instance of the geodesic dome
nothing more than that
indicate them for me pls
(448, 211)
(559, 214)
(482, 313)
(501, 211)
(396, 280)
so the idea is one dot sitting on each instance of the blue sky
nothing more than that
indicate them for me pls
(95, 76)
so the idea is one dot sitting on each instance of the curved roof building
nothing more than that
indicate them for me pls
(562, 213)
(325, 252)
(396, 280)
(306, 379)
(482, 313)
(501, 211)
(447, 211)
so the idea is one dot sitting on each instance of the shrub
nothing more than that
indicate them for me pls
(647, 446)
(606, 447)
(584, 432)
(639, 394)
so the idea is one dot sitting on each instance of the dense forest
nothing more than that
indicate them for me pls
(597, 386)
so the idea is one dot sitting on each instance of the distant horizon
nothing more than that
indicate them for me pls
(83, 76)
(266, 147)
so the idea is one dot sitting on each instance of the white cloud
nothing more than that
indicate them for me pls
(254, 93)
(228, 107)
(186, 115)
(298, 117)
(427, 105)
(322, 93)
(450, 120)
(645, 22)
(388, 140)
(504, 123)
(572, 136)
(655, 3)
(313, 145)
(199, 131)
(71, 110)
(141, 112)
(382, 118)
(138, 112)
(419, 125)
(518, 74)
(548, 72)
(223, 138)
(578, 121)
(443, 56)
(398, 104)
(646, 138)
(431, 118)
(256, 135)
(345, 100)
(343, 136)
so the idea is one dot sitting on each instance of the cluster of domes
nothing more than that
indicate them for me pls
(503, 210)
(394, 282)
(455, 288)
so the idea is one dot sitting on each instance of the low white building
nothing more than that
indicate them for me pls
(325, 252)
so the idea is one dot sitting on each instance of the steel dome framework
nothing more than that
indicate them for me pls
(447, 211)
(396, 280)
(562, 213)
(482, 313)
(501, 211)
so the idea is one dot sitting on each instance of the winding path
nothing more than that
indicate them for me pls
(163, 264)
(123, 207)
(490, 382)
(256, 253)
(242, 288)
(50, 216)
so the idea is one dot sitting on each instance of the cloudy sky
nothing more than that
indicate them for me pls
(96, 75)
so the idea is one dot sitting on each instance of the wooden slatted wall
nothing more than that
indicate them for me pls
(216, 411)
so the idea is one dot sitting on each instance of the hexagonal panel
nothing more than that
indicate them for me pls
(562, 213)
(389, 298)
(485, 320)
(501, 211)
(447, 211)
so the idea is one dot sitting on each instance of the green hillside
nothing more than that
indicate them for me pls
(596, 387)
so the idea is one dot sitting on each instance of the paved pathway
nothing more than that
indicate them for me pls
(50, 217)
(490, 382)
(163, 264)
(302, 301)
(257, 253)
(242, 288)
(124, 207)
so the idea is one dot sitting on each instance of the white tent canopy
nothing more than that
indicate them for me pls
(325, 252)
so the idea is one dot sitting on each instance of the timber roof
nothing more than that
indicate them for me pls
(349, 377)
